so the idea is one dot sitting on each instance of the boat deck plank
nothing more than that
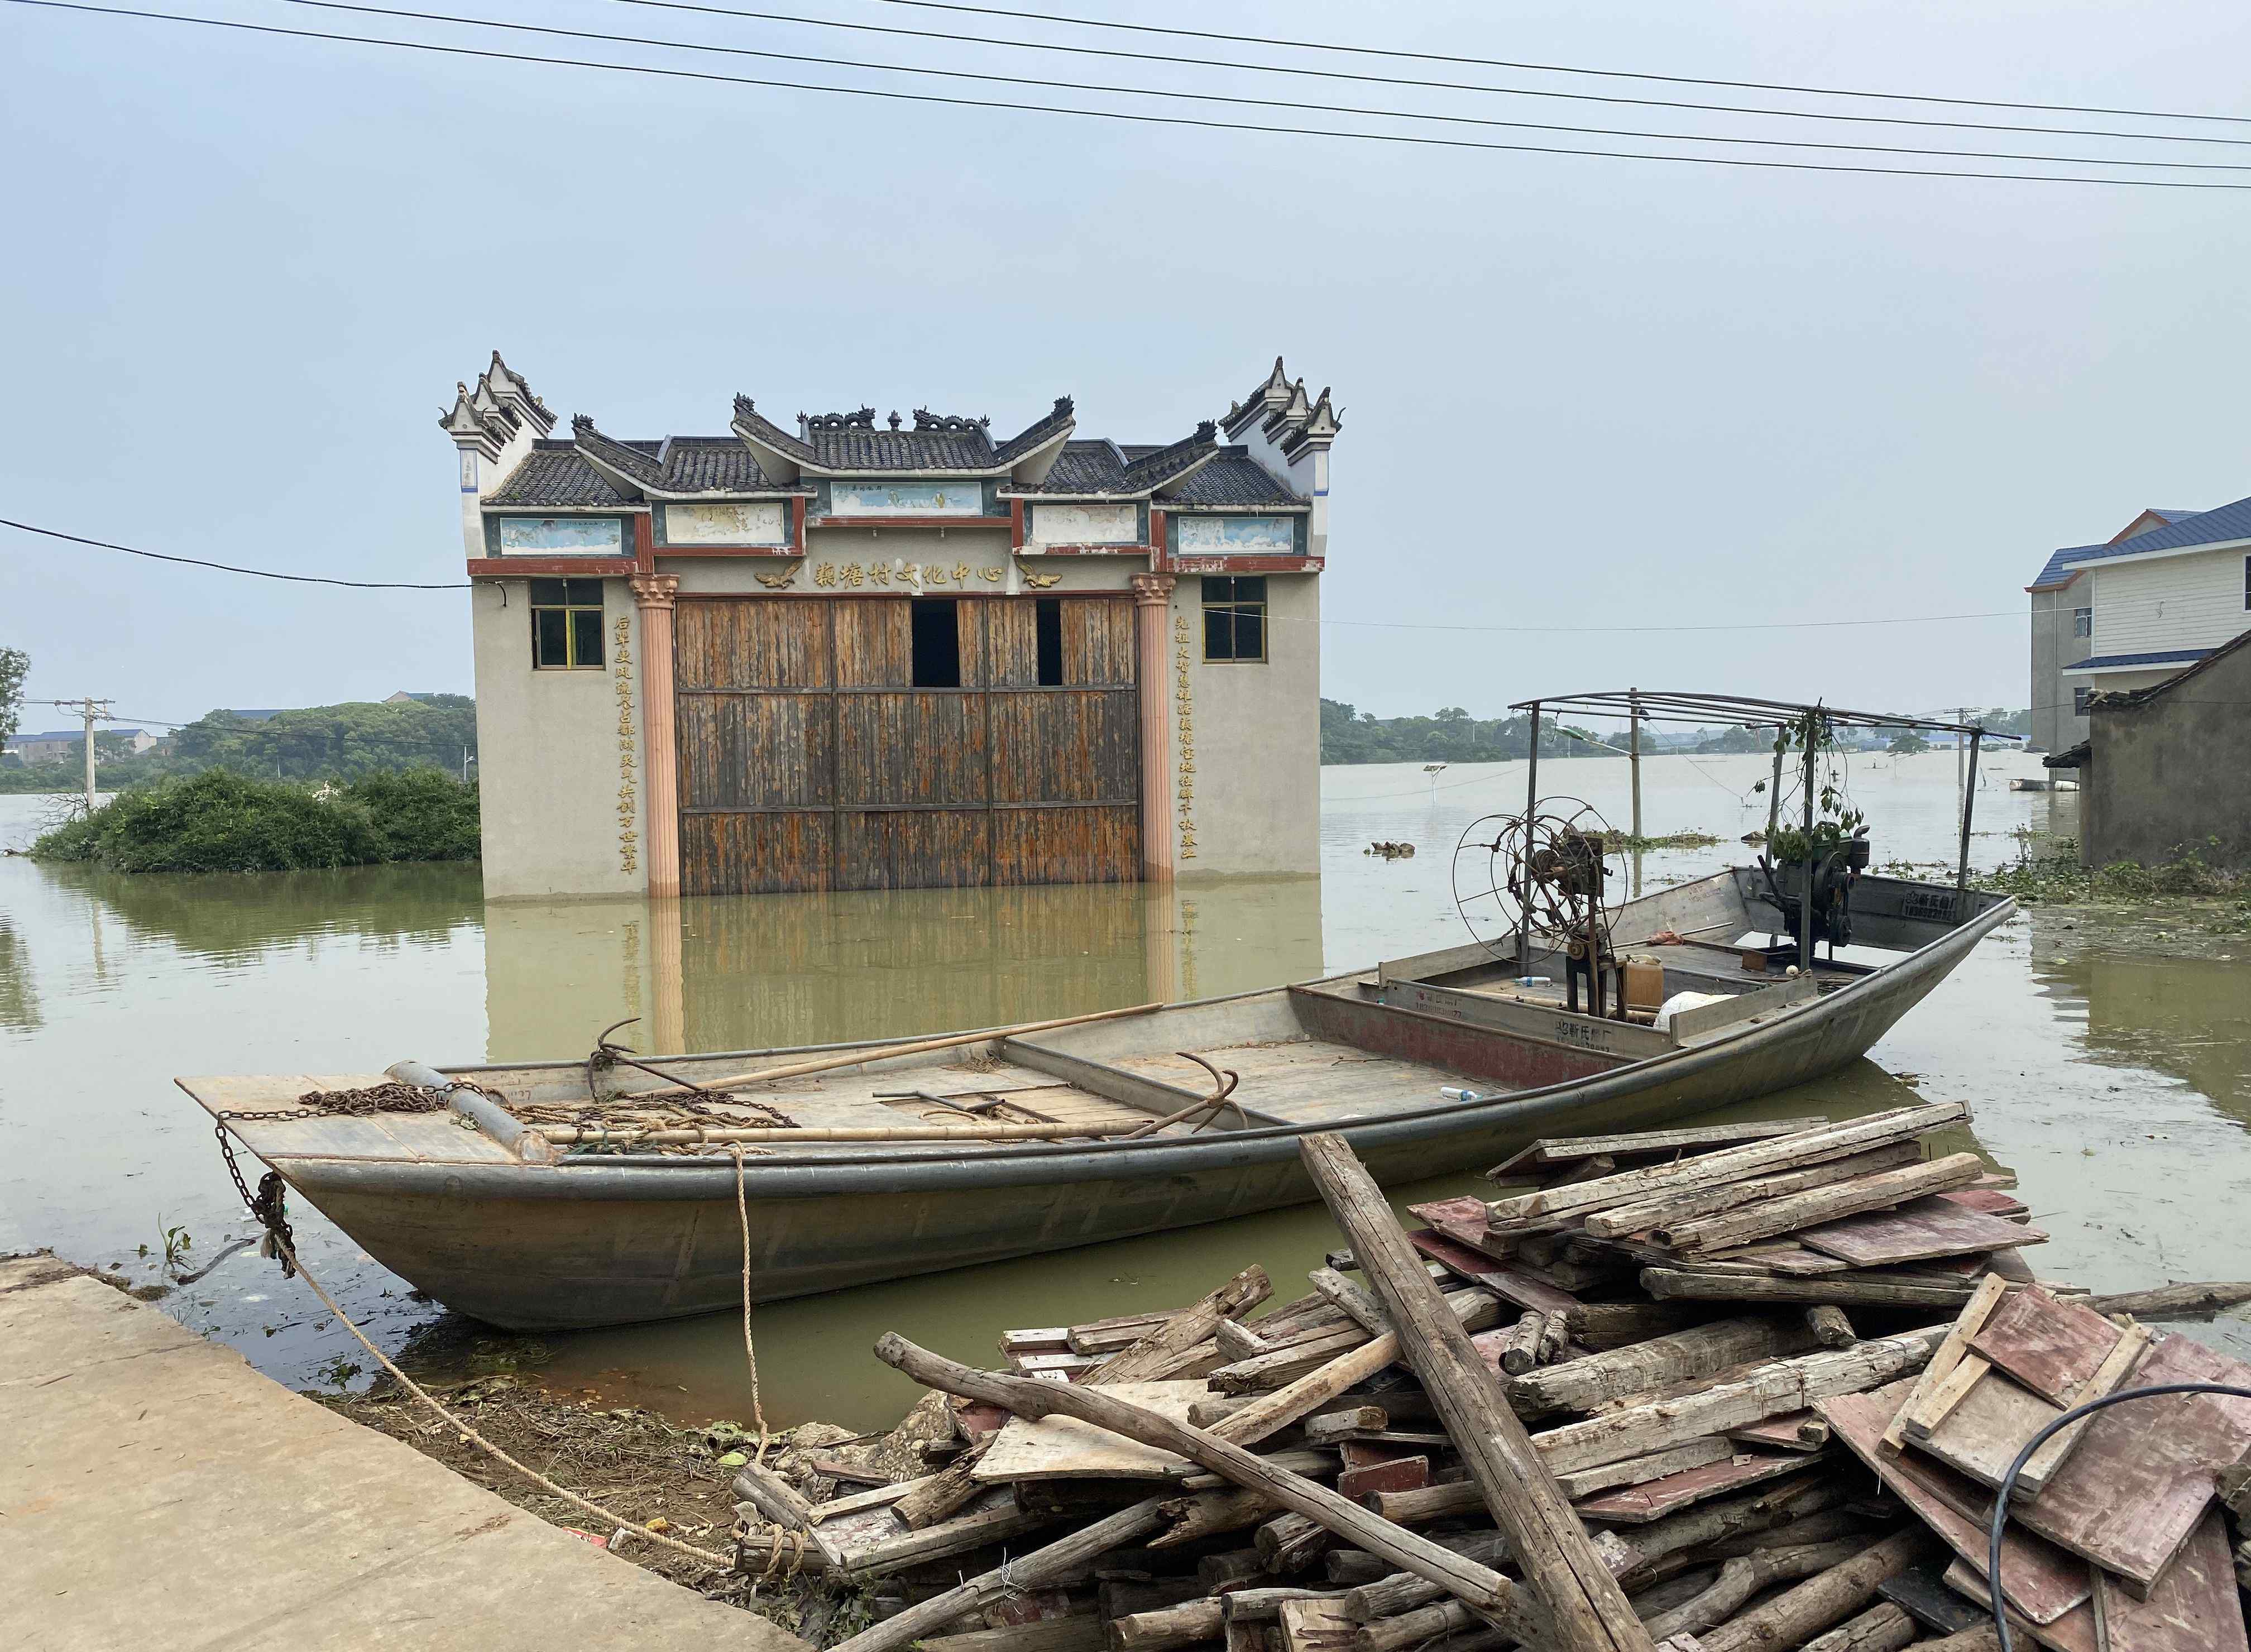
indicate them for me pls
(1307, 1082)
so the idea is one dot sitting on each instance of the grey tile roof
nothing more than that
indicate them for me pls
(2162, 657)
(714, 464)
(1057, 418)
(2205, 527)
(1232, 477)
(554, 473)
(899, 452)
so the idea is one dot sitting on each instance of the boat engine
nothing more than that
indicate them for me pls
(1834, 875)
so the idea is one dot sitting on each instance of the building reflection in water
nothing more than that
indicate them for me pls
(758, 972)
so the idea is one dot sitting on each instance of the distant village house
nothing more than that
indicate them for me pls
(853, 651)
(2163, 593)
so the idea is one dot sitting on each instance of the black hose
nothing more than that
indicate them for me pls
(2009, 1480)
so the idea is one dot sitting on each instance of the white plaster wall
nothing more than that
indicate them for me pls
(2191, 601)
(547, 755)
(1257, 738)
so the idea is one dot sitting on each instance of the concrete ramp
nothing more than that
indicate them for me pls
(157, 1492)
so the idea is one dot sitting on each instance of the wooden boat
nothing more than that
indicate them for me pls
(607, 1236)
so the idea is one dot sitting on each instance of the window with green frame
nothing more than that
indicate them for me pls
(1234, 618)
(566, 625)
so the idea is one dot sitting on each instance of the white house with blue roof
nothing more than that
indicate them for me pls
(2170, 588)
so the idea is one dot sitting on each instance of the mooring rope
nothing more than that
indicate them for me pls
(617, 1522)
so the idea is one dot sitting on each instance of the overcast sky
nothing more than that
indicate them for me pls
(243, 274)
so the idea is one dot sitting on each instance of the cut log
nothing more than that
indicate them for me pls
(1882, 1627)
(1602, 1326)
(1231, 1569)
(1806, 1146)
(1643, 1144)
(1167, 1351)
(1879, 1191)
(1797, 1615)
(1633, 1471)
(1748, 1575)
(938, 1497)
(1313, 1626)
(1412, 1629)
(1790, 1507)
(1984, 1638)
(1290, 1541)
(1079, 1634)
(1285, 1364)
(1520, 1352)
(1265, 1604)
(1397, 1474)
(1497, 1599)
(1237, 1341)
(1353, 1298)
(1648, 1214)
(1790, 1384)
(1059, 1560)
(1553, 1337)
(1583, 1384)
(1866, 1292)
(1581, 1600)
(1183, 1625)
(1270, 1414)
(1333, 1426)
(2175, 1302)
(1829, 1326)
(1109, 1335)
(1208, 1514)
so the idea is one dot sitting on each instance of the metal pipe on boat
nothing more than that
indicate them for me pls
(1969, 803)
(478, 1108)
(1531, 808)
(1805, 899)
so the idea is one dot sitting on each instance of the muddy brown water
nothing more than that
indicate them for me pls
(2107, 1057)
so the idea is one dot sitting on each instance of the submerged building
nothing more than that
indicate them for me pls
(863, 653)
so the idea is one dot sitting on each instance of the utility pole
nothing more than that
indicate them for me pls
(1633, 761)
(92, 711)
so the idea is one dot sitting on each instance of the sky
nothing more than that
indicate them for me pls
(245, 273)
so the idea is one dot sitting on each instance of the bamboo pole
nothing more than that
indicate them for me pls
(889, 1052)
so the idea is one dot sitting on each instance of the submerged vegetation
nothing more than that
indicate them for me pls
(223, 822)
(2222, 899)
(1690, 839)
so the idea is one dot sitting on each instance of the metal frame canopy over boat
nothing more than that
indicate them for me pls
(1809, 721)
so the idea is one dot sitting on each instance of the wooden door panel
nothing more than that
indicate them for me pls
(910, 748)
(912, 849)
(739, 645)
(875, 645)
(1097, 642)
(754, 854)
(1067, 845)
(755, 750)
(1012, 640)
(1066, 746)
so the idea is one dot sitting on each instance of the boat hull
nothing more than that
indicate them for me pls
(598, 1243)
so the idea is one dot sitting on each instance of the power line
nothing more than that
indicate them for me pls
(1586, 630)
(1112, 89)
(229, 567)
(1206, 62)
(1410, 139)
(1565, 68)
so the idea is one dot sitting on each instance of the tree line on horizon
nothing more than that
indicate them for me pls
(1451, 735)
(343, 742)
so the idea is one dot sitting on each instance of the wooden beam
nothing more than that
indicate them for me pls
(1498, 1600)
(1583, 1600)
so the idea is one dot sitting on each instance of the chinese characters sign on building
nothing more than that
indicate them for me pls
(1184, 711)
(629, 765)
(851, 576)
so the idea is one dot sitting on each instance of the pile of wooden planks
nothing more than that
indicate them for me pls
(1508, 1428)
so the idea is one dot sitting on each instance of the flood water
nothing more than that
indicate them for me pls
(2107, 1061)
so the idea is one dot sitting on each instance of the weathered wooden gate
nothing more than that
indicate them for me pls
(809, 760)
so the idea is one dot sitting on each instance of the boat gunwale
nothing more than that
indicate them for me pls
(682, 1177)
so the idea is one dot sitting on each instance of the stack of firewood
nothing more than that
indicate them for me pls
(1681, 1388)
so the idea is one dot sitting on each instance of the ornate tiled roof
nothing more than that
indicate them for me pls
(893, 451)
(1230, 476)
(555, 473)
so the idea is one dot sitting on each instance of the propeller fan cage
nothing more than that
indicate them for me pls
(1547, 872)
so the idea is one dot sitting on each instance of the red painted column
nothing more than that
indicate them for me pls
(653, 593)
(1153, 648)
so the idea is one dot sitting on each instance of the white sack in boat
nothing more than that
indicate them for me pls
(1680, 1001)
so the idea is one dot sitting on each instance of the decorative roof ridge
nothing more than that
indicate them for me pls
(607, 454)
(754, 427)
(863, 419)
(509, 385)
(1199, 447)
(1062, 417)
(958, 423)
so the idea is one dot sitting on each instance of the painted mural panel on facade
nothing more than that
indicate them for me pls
(562, 536)
(1264, 536)
(906, 498)
(1086, 524)
(761, 522)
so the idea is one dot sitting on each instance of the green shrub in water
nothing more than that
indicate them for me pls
(218, 821)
